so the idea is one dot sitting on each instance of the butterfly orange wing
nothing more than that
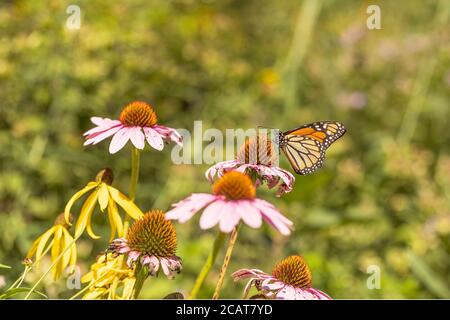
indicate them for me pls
(305, 146)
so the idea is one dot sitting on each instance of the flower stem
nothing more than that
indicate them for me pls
(135, 165)
(226, 261)
(27, 269)
(135, 161)
(208, 265)
(19, 280)
(141, 275)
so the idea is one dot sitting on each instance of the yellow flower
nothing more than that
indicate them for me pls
(62, 239)
(108, 276)
(107, 198)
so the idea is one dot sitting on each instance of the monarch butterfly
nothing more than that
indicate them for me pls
(305, 146)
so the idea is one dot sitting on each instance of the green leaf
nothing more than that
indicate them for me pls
(428, 277)
(12, 292)
(4, 266)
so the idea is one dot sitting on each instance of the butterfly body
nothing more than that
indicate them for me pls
(305, 146)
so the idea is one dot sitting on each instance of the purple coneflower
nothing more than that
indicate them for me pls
(257, 157)
(291, 279)
(138, 123)
(151, 241)
(233, 198)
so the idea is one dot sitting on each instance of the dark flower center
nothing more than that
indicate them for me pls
(235, 186)
(60, 220)
(294, 271)
(105, 175)
(138, 114)
(153, 235)
(257, 150)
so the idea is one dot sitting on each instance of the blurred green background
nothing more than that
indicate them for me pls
(381, 199)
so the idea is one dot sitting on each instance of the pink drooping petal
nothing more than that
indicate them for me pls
(154, 139)
(288, 181)
(272, 216)
(123, 249)
(170, 266)
(272, 175)
(169, 134)
(287, 293)
(145, 260)
(241, 168)
(248, 286)
(91, 133)
(132, 257)
(273, 285)
(211, 215)
(278, 225)
(227, 167)
(210, 173)
(154, 260)
(249, 214)
(319, 294)
(185, 209)
(102, 124)
(246, 273)
(304, 294)
(98, 121)
(137, 137)
(153, 265)
(120, 246)
(229, 217)
(218, 169)
(165, 266)
(286, 176)
(174, 264)
(120, 139)
(274, 212)
(265, 282)
(176, 137)
(100, 136)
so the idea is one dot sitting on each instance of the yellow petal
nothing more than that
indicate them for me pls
(42, 242)
(89, 229)
(33, 248)
(85, 214)
(112, 226)
(75, 197)
(130, 208)
(115, 220)
(128, 288)
(112, 289)
(87, 277)
(106, 280)
(73, 258)
(94, 294)
(72, 250)
(103, 196)
(66, 242)
(56, 250)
